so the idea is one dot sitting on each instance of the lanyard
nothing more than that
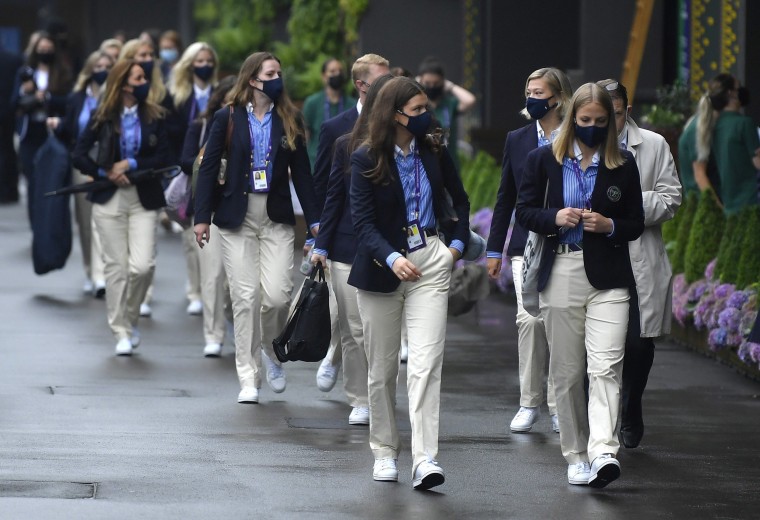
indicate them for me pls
(341, 102)
(253, 144)
(417, 186)
(581, 184)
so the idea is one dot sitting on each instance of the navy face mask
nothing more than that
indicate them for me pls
(204, 73)
(141, 92)
(147, 67)
(418, 125)
(272, 88)
(592, 136)
(99, 77)
(538, 108)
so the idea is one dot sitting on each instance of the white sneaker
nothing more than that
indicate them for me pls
(195, 308)
(212, 350)
(275, 375)
(428, 475)
(385, 470)
(248, 394)
(404, 355)
(359, 415)
(88, 287)
(124, 347)
(524, 419)
(578, 473)
(145, 310)
(555, 423)
(604, 469)
(327, 374)
(135, 339)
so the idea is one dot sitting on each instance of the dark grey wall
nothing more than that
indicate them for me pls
(406, 31)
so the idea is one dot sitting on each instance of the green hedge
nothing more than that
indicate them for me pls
(481, 177)
(686, 216)
(704, 236)
(733, 234)
(749, 259)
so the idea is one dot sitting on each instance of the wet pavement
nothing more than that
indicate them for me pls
(84, 434)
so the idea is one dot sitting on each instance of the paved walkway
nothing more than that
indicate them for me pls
(161, 436)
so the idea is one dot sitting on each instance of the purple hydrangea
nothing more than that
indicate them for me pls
(480, 222)
(754, 352)
(730, 320)
(724, 290)
(737, 299)
(679, 284)
(717, 339)
(744, 352)
(710, 270)
(696, 290)
(703, 310)
(505, 283)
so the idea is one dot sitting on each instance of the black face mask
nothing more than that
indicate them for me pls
(538, 108)
(336, 82)
(418, 125)
(99, 77)
(147, 67)
(204, 73)
(141, 92)
(743, 94)
(45, 57)
(434, 92)
(272, 88)
(591, 136)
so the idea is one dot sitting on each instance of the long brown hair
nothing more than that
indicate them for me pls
(59, 81)
(361, 127)
(563, 146)
(111, 104)
(381, 130)
(85, 75)
(242, 94)
(157, 87)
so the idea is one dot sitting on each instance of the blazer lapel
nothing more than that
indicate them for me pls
(276, 134)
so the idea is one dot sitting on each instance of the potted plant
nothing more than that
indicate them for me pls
(668, 115)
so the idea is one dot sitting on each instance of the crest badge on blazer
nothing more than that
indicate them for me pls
(614, 193)
(152, 140)
(284, 142)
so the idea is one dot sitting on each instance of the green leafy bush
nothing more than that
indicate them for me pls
(704, 236)
(725, 260)
(686, 212)
(673, 107)
(749, 259)
(481, 176)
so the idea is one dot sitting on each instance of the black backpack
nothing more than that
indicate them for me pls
(307, 333)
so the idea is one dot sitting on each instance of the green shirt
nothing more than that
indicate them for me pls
(316, 112)
(687, 154)
(735, 140)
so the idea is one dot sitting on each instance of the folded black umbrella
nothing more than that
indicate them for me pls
(134, 177)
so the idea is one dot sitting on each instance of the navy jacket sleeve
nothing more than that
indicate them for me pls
(191, 148)
(80, 157)
(207, 173)
(530, 212)
(505, 202)
(336, 196)
(322, 163)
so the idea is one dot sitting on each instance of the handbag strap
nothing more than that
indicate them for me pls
(204, 122)
(546, 195)
(229, 130)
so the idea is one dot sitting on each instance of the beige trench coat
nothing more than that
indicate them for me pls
(661, 192)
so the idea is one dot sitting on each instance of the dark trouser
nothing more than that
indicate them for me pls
(639, 356)
(8, 165)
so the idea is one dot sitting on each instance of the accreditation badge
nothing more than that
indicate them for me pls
(260, 180)
(415, 236)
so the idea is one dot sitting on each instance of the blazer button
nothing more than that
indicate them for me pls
(403, 229)
(403, 250)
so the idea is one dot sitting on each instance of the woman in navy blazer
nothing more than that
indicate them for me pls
(81, 105)
(593, 209)
(547, 96)
(130, 135)
(253, 210)
(193, 80)
(398, 184)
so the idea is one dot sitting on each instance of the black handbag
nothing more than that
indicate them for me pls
(307, 333)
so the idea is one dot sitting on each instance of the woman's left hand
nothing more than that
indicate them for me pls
(596, 222)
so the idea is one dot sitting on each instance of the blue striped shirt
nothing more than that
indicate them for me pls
(577, 192)
(89, 106)
(131, 135)
(261, 141)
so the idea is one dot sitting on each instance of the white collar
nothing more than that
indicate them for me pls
(623, 137)
(542, 134)
(132, 111)
(201, 92)
(249, 107)
(412, 148)
(579, 154)
(359, 106)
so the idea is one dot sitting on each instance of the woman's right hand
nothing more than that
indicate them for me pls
(118, 173)
(568, 217)
(316, 258)
(494, 267)
(405, 270)
(202, 233)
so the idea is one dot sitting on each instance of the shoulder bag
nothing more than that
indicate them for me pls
(534, 249)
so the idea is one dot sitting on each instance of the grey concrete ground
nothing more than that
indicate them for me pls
(159, 435)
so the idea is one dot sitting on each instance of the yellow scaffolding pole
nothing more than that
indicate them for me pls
(636, 43)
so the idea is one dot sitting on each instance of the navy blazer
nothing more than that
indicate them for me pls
(380, 216)
(229, 203)
(194, 140)
(336, 228)
(518, 145)
(68, 129)
(329, 133)
(181, 119)
(616, 195)
(153, 153)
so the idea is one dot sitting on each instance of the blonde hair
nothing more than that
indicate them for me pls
(361, 66)
(710, 105)
(559, 85)
(242, 94)
(85, 75)
(181, 82)
(157, 88)
(563, 146)
(111, 42)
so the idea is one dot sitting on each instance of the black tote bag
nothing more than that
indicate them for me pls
(307, 333)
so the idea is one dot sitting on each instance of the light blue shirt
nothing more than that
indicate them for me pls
(89, 106)
(261, 141)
